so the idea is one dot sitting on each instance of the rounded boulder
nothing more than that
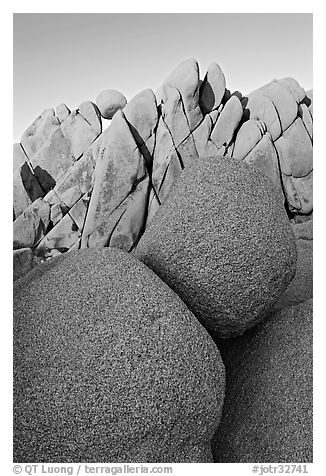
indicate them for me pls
(222, 241)
(109, 102)
(268, 406)
(110, 365)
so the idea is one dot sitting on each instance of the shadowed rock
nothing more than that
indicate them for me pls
(141, 115)
(30, 227)
(212, 89)
(223, 242)
(267, 413)
(23, 261)
(227, 122)
(301, 287)
(110, 366)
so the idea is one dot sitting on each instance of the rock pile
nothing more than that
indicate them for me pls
(103, 189)
(188, 223)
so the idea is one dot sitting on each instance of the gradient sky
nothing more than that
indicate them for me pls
(71, 58)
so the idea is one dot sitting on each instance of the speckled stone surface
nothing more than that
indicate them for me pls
(110, 365)
(268, 414)
(223, 242)
(301, 287)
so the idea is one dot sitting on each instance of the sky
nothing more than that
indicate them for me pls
(71, 58)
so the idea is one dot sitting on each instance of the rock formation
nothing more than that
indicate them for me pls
(213, 191)
(110, 365)
(145, 148)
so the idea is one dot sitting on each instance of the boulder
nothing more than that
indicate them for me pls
(294, 88)
(141, 115)
(260, 107)
(62, 111)
(79, 133)
(249, 134)
(283, 100)
(23, 261)
(212, 89)
(110, 366)
(310, 96)
(109, 102)
(174, 116)
(264, 157)
(62, 236)
(185, 78)
(295, 151)
(76, 182)
(268, 412)
(164, 150)
(202, 133)
(223, 242)
(121, 180)
(52, 160)
(30, 227)
(227, 122)
(21, 200)
(301, 287)
(92, 115)
(306, 117)
(26, 187)
(39, 132)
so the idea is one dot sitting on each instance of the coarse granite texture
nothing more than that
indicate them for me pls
(301, 287)
(268, 412)
(110, 365)
(223, 242)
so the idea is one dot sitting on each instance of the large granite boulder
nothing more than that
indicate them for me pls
(110, 366)
(109, 102)
(267, 412)
(223, 242)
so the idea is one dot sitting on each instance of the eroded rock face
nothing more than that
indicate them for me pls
(109, 102)
(223, 242)
(110, 366)
(268, 413)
